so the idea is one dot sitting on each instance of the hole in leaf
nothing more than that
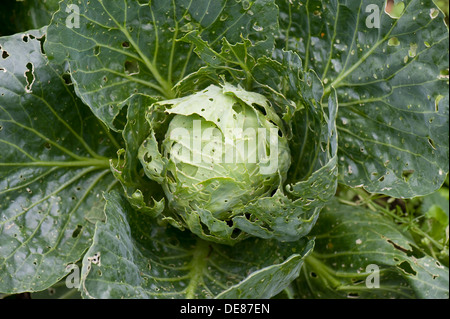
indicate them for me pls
(237, 108)
(394, 10)
(414, 251)
(357, 281)
(434, 13)
(398, 247)
(170, 177)
(67, 79)
(131, 67)
(96, 50)
(444, 74)
(125, 44)
(313, 274)
(436, 102)
(25, 38)
(121, 119)
(5, 54)
(29, 76)
(77, 231)
(431, 142)
(412, 49)
(407, 174)
(406, 268)
(147, 158)
(41, 41)
(353, 295)
(393, 42)
(236, 232)
(260, 108)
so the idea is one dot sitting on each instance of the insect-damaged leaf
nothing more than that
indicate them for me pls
(127, 47)
(362, 254)
(52, 168)
(392, 85)
(132, 257)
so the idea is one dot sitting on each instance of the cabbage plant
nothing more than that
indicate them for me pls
(224, 149)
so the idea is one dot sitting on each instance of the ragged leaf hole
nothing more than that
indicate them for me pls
(67, 79)
(29, 76)
(406, 268)
(131, 67)
(406, 174)
(147, 158)
(96, 50)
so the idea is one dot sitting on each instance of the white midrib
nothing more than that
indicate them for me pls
(197, 266)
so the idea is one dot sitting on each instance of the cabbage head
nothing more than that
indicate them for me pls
(222, 157)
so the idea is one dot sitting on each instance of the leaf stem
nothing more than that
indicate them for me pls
(103, 163)
(288, 27)
(322, 270)
(308, 43)
(197, 265)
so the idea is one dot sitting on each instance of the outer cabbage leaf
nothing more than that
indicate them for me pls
(123, 47)
(353, 245)
(132, 257)
(53, 168)
(392, 86)
(143, 195)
